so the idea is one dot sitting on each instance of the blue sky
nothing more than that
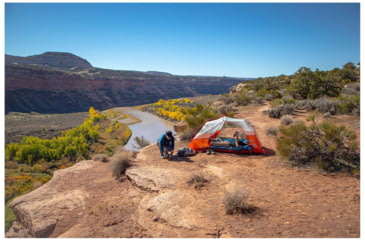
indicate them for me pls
(236, 39)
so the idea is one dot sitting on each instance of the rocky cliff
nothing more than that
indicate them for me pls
(62, 82)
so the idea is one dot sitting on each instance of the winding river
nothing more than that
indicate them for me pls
(151, 127)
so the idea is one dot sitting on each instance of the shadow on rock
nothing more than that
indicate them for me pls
(181, 159)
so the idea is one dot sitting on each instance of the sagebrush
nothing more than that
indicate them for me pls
(330, 147)
(236, 202)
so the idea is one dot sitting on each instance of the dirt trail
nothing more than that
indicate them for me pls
(156, 200)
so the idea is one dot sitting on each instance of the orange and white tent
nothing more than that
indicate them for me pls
(211, 129)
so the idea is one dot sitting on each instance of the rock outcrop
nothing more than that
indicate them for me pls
(156, 200)
(40, 210)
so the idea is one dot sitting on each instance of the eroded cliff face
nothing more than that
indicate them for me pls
(57, 87)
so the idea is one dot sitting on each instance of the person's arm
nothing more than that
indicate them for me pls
(162, 143)
(172, 144)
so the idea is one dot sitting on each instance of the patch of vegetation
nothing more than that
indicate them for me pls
(172, 109)
(198, 181)
(272, 131)
(9, 217)
(141, 142)
(286, 120)
(100, 157)
(236, 202)
(198, 114)
(336, 91)
(330, 147)
(31, 162)
(121, 161)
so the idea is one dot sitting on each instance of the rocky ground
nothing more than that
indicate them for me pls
(155, 200)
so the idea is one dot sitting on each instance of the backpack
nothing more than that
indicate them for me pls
(185, 152)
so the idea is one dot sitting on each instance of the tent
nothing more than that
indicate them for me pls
(208, 134)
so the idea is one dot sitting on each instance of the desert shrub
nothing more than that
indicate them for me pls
(236, 202)
(284, 109)
(288, 109)
(269, 97)
(226, 99)
(349, 104)
(287, 99)
(141, 142)
(198, 114)
(11, 165)
(226, 109)
(258, 100)
(243, 98)
(187, 134)
(351, 89)
(326, 115)
(121, 161)
(101, 157)
(324, 105)
(330, 147)
(286, 120)
(198, 181)
(272, 131)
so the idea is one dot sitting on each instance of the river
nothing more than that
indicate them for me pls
(151, 127)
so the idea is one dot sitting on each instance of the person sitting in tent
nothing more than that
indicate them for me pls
(166, 143)
(237, 139)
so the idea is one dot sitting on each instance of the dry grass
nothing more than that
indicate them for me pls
(236, 202)
(120, 162)
(198, 181)
(100, 157)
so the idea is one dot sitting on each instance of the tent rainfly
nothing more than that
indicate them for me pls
(211, 129)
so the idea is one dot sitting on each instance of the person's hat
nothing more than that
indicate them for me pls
(169, 133)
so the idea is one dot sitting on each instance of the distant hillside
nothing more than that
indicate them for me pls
(51, 59)
(63, 82)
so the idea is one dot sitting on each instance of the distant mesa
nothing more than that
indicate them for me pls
(51, 59)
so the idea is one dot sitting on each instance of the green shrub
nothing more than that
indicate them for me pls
(349, 104)
(73, 143)
(198, 114)
(9, 217)
(236, 202)
(330, 147)
(243, 98)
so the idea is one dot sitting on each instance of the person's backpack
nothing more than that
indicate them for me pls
(185, 152)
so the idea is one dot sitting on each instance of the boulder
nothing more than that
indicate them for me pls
(154, 178)
(40, 210)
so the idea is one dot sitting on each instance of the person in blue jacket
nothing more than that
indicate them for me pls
(166, 143)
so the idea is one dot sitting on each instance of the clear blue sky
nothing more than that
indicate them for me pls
(236, 39)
